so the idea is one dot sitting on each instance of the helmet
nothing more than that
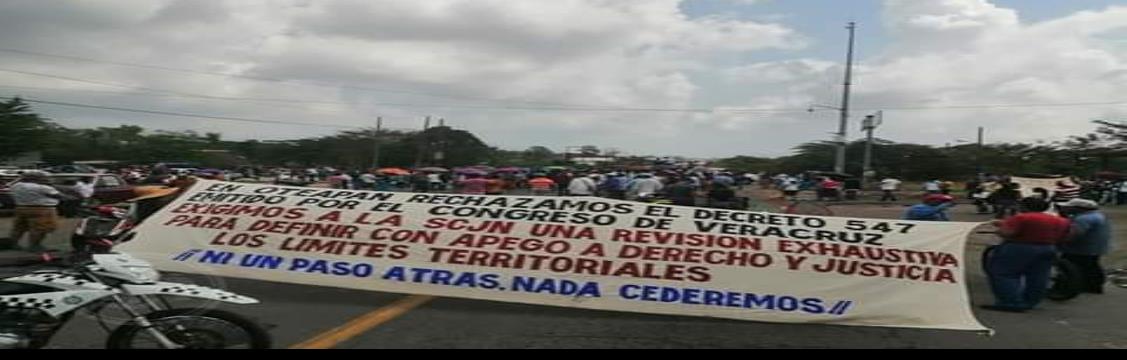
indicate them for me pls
(938, 199)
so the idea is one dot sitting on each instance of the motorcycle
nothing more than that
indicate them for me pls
(101, 228)
(34, 306)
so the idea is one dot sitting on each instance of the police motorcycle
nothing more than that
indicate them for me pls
(35, 304)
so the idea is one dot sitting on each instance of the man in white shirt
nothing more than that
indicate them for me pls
(643, 184)
(85, 188)
(582, 186)
(367, 181)
(435, 181)
(889, 186)
(791, 187)
(35, 212)
(932, 187)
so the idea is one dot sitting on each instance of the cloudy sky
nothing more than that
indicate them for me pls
(701, 78)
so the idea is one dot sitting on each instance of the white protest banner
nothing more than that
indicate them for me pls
(1029, 184)
(580, 252)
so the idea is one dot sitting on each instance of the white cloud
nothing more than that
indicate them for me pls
(631, 53)
(612, 53)
(955, 53)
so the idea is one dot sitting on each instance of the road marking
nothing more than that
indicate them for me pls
(362, 324)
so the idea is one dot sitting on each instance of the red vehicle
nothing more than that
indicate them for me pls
(108, 188)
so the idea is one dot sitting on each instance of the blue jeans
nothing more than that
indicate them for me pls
(1019, 274)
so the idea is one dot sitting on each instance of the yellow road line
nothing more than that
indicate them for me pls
(359, 325)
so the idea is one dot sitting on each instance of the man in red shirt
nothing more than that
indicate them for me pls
(829, 188)
(1020, 267)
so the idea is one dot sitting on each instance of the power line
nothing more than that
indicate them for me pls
(299, 82)
(964, 107)
(531, 108)
(1001, 106)
(478, 107)
(169, 113)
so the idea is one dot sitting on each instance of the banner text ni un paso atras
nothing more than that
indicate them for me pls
(577, 252)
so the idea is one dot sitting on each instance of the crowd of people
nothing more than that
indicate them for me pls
(1035, 231)
(1064, 221)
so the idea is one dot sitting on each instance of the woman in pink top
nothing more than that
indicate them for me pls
(474, 184)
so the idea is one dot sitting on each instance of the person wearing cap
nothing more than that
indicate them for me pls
(933, 208)
(35, 212)
(1020, 267)
(1090, 239)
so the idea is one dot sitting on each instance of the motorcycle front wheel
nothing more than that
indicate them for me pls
(193, 329)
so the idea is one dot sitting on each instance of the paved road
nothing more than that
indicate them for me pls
(301, 313)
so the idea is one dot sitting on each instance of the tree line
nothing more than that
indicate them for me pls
(23, 131)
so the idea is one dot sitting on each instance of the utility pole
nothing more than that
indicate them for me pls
(378, 140)
(978, 153)
(423, 144)
(440, 154)
(843, 127)
(871, 123)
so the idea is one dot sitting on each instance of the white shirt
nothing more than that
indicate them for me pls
(790, 184)
(32, 194)
(931, 186)
(84, 189)
(368, 178)
(644, 186)
(889, 184)
(434, 178)
(1123, 187)
(581, 186)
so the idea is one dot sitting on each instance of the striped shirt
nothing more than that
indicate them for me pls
(1066, 193)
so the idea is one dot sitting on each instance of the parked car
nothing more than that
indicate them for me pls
(108, 188)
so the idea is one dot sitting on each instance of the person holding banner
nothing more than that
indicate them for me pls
(1020, 267)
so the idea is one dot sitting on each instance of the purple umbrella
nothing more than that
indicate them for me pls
(470, 171)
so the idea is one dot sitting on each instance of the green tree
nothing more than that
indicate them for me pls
(22, 130)
(747, 164)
